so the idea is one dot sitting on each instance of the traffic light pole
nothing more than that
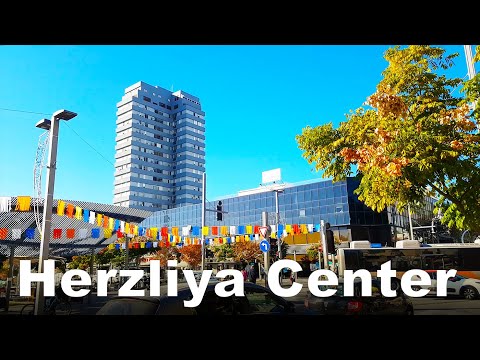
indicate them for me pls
(266, 254)
(277, 221)
(204, 212)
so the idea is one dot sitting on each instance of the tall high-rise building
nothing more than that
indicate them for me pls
(160, 148)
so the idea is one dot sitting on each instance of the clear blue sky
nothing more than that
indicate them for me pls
(256, 99)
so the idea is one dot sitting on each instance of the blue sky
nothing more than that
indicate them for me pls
(256, 99)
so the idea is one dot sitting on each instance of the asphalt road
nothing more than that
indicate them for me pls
(422, 306)
(445, 306)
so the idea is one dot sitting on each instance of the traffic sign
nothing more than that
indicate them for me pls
(264, 230)
(264, 246)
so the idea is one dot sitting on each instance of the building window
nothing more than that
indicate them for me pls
(169, 107)
(302, 213)
(175, 107)
(146, 98)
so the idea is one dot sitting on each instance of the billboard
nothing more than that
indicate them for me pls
(271, 176)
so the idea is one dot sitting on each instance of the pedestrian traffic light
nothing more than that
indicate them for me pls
(219, 211)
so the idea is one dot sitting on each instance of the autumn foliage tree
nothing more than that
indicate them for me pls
(413, 137)
(247, 251)
(191, 254)
(165, 253)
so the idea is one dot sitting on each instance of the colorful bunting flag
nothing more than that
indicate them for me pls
(60, 207)
(78, 213)
(16, 234)
(86, 215)
(70, 210)
(30, 233)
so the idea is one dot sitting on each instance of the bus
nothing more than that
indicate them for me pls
(465, 258)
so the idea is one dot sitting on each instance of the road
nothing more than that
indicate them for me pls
(422, 306)
(445, 306)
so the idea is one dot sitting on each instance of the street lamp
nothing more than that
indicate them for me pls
(277, 221)
(53, 125)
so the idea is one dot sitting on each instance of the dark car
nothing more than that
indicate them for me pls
(377, 304)
(258, 300)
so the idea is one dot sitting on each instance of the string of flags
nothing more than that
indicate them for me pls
(179, 236)
(188, 235)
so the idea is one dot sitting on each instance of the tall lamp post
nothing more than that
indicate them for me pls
(277, 221)
(53, 125)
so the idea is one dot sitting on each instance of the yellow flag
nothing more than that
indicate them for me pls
(78, 213)
(60, 208)
(288, 228)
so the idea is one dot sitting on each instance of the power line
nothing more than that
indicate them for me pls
(24, 111)
(85, 141)
(40, 113)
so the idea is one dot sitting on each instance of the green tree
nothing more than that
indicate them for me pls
(415, 137)
(313, 251)
(81, 262)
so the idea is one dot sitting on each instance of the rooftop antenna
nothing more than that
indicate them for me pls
(171, 88)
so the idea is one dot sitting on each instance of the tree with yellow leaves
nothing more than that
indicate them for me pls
(192, 254)
(412, 138)
(247, 251)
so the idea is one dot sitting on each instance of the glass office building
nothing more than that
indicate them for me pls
(300, 203)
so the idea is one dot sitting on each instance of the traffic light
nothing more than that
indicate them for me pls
(330, 242)
(273, 248)
(219, 211)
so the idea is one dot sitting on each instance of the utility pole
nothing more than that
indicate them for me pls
(204, 198)
(410, 222)
(9, 277)
(90, 294)
(469, 58)
(470, 67)
(266, 255)
(324, 245)
(277, 221)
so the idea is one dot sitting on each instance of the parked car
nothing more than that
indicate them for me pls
(258, 300)
(377, 304)
(468, 288)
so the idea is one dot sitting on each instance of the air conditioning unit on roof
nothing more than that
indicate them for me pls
(402, 244)
(360, 244)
